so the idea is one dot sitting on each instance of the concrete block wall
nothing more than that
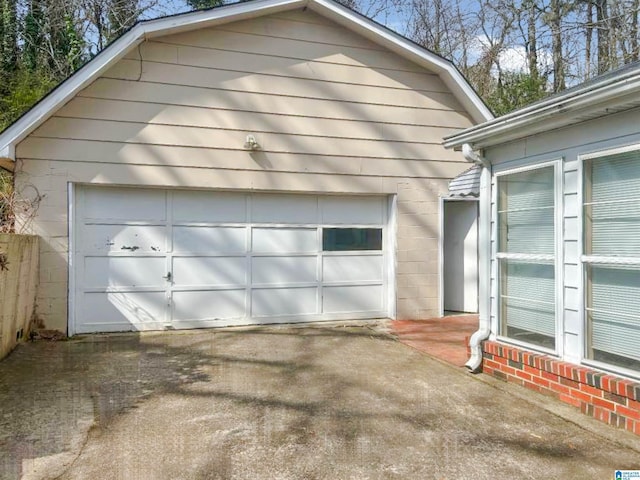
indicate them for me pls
(605, 397)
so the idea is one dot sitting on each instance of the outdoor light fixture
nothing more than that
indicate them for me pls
(251, 143)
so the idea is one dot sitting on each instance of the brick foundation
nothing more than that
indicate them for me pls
(603, 396)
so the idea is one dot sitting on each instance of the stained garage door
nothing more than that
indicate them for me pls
(147, 259)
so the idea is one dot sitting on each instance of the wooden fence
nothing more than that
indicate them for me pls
(18, 284)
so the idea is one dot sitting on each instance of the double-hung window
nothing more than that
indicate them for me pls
(611, 245)
(526, 202)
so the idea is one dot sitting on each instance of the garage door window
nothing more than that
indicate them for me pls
(350, 239)
(612, 258)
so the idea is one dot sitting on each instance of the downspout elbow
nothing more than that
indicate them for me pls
(474, 364)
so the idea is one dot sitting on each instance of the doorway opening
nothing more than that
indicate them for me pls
(459, 256)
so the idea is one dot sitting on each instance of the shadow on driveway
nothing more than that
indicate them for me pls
(273, 402)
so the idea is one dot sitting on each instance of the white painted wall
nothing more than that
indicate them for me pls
(566, 144)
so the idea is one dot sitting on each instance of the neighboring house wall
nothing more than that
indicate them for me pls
(332, 112)
(603, 396)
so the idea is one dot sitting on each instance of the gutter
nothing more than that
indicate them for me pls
(474, 364)
(511, 126)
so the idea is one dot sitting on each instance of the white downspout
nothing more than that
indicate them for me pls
(474, 364)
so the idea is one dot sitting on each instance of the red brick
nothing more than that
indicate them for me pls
(622, 387)
(541, 381)
(582, 375)
(633, 404)
(627, 412)
(601, 414)
(606, 383)
(596, 392)
(604, 403)
(550, 376)
(636, 428)
(585, 397)
(501, 360)
(490, 364)
(532, 370)
(570, 400)
(629, 425)
(523, 375)
(556, 387)
(569, 383)
(532, 386)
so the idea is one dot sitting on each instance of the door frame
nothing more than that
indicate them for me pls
(441, 209)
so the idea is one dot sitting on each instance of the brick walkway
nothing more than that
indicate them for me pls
(445, 338)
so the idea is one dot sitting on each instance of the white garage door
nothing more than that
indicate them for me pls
(152, 259)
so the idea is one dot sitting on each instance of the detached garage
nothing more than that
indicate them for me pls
(261, 162)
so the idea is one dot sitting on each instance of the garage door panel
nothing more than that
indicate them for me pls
(209, 207)
(116, 204)
(211, 240)
(284, 209)
(352, 268)
(274, 270)
(353, 210)
(360, 298)
(284, 240)
(123, 311)
(134, 239)
(284, 301)
(209, 271)
(103, 272)
(208, 305)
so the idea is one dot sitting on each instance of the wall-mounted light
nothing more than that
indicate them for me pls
(251, 143)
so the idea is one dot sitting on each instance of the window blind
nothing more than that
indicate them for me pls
(526, 227)
(612, 229)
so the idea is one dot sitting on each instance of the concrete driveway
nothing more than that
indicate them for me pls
(280, 403)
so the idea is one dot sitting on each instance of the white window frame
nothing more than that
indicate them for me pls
(586, 260)
(557, 257)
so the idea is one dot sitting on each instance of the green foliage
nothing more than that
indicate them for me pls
(8, 37)
(514, 90)
(25, 89)
(33, 35)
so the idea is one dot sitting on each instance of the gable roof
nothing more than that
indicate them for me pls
(147, 29)
(606, 94)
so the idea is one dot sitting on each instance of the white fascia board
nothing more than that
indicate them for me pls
(409, 50)
(208, 18)
(545, 116)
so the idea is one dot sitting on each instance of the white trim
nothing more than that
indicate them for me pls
(586, 260)
(603, 260)
(528, 346)
(71, 277)
(392, 256)
(461, 89)
(441, 201)
(557, 257)
(608, 152)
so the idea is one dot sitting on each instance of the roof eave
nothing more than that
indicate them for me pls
(557, 112)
